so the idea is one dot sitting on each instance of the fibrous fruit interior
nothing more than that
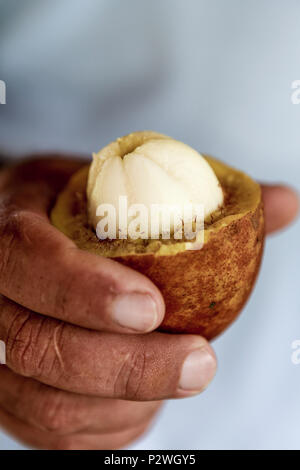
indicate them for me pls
(160, 171)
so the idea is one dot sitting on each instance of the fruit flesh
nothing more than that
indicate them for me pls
(160, 171)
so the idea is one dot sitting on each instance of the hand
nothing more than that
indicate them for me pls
(79, 367)
(81, 371)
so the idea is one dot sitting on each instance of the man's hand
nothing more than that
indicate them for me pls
(84, 369)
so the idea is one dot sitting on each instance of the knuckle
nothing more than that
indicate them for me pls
(14, 222)
(19, 346)
(14, 230)
(54, 416)
(47, 409)
(129, 380)
(30, 345)
(8, 239)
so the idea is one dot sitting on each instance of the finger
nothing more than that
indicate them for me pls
(281, 205)
(107, 365)
(53, 169)
(20, 182)
(43, 270)
(49, 409)
(50, 441)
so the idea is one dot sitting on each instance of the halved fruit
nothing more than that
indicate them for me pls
(204, 290)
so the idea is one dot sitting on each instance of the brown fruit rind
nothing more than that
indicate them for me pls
(204, 290)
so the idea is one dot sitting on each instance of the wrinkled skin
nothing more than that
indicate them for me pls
(74, 378)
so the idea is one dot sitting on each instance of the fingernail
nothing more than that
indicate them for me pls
(135, 311)
(198, 370)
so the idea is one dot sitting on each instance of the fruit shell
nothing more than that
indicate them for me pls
(204, 290)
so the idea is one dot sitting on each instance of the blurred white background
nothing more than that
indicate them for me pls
(216, 74)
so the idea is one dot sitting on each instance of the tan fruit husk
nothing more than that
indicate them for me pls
(204, 290)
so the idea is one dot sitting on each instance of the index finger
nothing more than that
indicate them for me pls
(43, 270)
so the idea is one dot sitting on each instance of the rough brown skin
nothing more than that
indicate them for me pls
(204, 290)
